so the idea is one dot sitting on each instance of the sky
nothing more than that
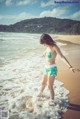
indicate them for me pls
(12, 11)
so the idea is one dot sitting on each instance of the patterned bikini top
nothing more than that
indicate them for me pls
(49, 55)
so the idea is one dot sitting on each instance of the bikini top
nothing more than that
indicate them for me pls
(49, 55)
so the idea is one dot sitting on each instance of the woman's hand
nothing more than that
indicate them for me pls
(43, 55)
(73, 69)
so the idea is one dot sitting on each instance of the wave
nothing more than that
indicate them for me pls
(20, 83)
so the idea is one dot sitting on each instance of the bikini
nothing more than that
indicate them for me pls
(50, 70)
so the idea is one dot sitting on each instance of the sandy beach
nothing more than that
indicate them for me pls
(71, 80)
(21, 78)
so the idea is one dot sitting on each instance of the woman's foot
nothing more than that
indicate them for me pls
(39, 95)
(51, 102)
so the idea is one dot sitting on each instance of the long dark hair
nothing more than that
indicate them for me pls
(46, 39)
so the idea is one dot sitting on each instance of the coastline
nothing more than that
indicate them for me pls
(72, 38)
(71, 80)
(21, 86)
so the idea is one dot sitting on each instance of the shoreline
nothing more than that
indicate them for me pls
(22, 85)
(71, 80)
(72, 38)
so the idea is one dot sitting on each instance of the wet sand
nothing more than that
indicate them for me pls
(71, 80)
(72, 38)
(16, 78)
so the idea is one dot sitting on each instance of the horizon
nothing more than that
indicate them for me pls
(13, 11)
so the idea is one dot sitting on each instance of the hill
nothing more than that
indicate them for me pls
(46, 24)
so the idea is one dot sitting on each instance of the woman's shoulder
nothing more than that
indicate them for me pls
(55, 47)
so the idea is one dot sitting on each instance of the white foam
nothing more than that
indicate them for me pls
(61, 44)
(22, 80)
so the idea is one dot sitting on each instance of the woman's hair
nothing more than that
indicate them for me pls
(46, 39)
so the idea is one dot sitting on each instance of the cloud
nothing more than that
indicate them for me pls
(25, 2)
(20, 16)
(76, 15)
(16, 2)
(54, 13)
(16, 18)
(8, 2)
(45, 4)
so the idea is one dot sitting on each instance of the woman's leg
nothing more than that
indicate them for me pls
(50, 85)
(44, 82)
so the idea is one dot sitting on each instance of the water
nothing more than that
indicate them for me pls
(21, 69)
(17, 45)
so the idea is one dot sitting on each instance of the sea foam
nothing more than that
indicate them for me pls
(20, 83)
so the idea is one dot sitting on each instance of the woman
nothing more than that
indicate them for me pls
(50, 71)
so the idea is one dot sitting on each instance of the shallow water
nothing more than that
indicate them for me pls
(20, 79)
(17, 45)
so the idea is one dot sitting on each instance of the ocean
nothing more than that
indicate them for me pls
(21, 70)
(17, 45)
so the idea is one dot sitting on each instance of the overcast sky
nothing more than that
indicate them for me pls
(12, 11)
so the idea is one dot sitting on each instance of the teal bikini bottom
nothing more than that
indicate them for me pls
(51, 70)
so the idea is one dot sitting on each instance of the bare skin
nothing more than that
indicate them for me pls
(55, 50)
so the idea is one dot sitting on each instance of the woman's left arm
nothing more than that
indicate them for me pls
(63, 58)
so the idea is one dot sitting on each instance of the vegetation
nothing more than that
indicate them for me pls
(46, 24)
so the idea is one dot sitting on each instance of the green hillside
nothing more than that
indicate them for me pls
(46, 24)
